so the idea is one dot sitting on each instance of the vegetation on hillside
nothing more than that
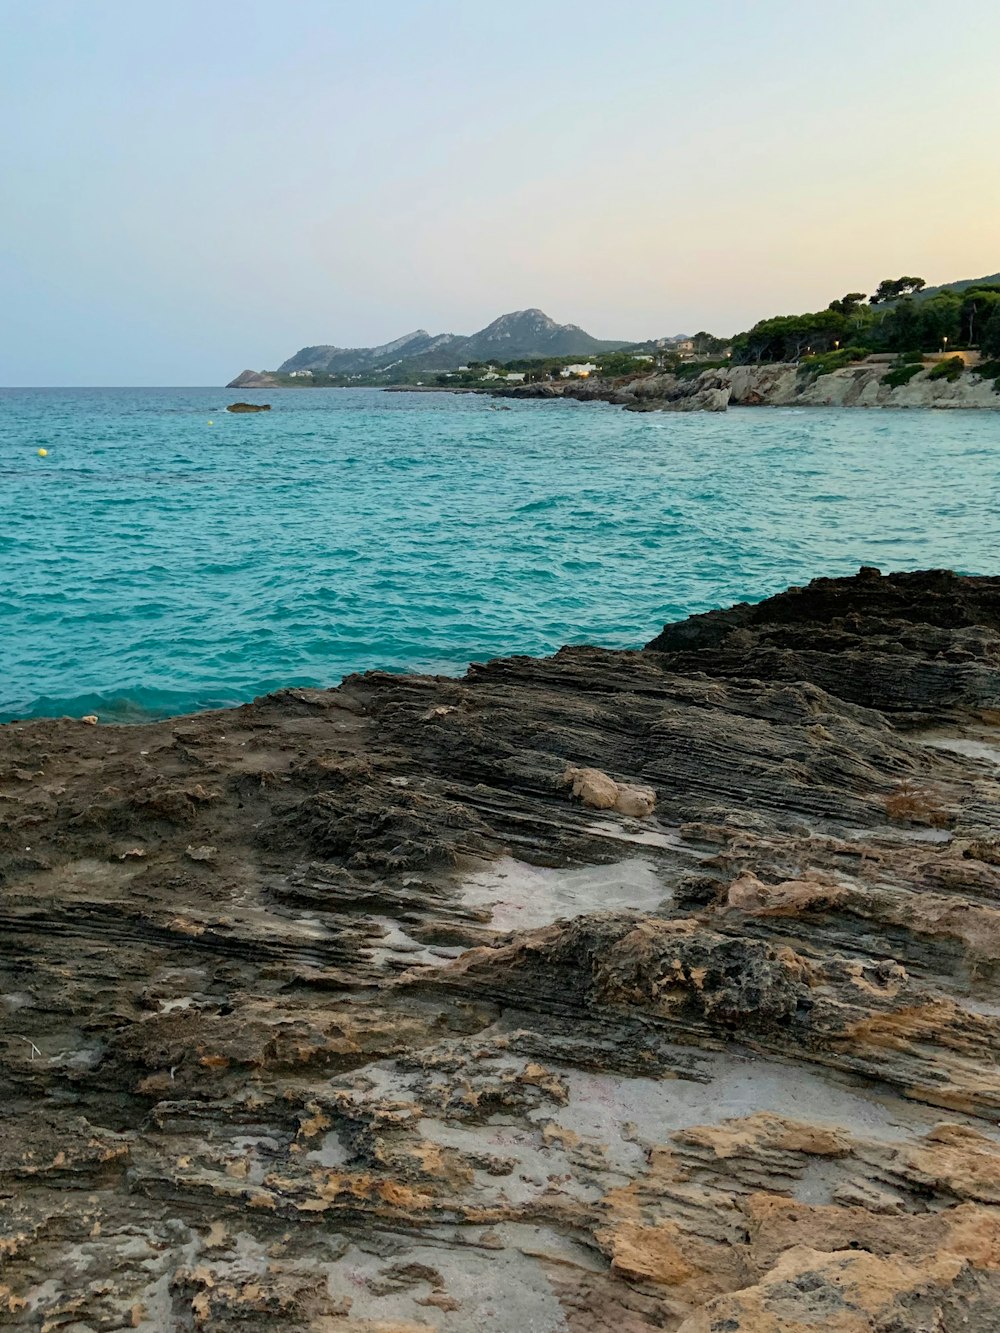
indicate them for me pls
(902, 316)
(893, 319)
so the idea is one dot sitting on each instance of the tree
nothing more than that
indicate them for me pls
(901, 329)
(789, 337)
(706, 344)
(940, 320)
(977, 307)
(891, 289)
(847, 305)
(989, 338)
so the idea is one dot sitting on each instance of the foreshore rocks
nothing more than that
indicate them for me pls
(781, 385)
(630, 991)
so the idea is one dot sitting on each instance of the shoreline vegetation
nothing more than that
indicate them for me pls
(906, 345)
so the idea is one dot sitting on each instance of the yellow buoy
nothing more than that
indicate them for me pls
(211, 423)
(43, 453)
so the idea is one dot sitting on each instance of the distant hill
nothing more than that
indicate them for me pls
(521, 334)
(990, 280)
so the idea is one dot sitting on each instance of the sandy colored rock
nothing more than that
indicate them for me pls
(635, 801)
(601, 792)
(592, 787)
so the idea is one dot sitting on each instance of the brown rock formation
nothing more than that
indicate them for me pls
(273, 1057)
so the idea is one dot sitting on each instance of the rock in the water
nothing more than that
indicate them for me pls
(249, 407)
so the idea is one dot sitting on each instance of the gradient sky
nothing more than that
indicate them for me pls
(191, 188)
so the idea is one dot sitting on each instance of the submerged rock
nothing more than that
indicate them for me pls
(276, 1054)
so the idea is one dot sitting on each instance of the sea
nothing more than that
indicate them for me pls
(166, 556)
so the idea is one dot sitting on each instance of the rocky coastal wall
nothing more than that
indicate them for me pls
(622, 991)
(781, 385)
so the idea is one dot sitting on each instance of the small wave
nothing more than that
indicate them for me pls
(141, 704)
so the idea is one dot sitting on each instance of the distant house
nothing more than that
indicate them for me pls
(581, 370)
(491, 374)
(300, 375)
(515, 377)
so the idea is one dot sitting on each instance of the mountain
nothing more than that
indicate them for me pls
(352, 360)
(522, 334)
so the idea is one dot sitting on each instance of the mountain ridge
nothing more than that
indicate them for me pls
(519, 333)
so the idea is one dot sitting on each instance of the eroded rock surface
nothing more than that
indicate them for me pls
(341, 1012)
(781, 384)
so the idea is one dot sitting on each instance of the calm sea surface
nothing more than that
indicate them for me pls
(167, 556)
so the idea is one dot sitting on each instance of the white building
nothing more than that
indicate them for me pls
(581, 370)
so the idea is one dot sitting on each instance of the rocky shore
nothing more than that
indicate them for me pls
(620, 991)
(781, 385)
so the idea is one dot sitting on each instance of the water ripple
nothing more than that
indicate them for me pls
(154, 564)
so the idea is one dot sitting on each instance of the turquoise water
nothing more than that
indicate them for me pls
(155, 564)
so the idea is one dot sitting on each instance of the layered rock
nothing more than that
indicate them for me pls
(632, 991)
(781, 385)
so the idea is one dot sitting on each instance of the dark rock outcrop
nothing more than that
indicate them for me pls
(367, 1009)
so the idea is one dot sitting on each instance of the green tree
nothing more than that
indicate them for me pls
(978, 305)
(891, 289)
(847, 305)
(940, 320)
(706, 344)
(989, 338)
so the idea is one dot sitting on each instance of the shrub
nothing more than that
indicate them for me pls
(989, 370)
(912, 358)
(824, 363)
(690, 370)
(947, 370)
(910, 804)
(900, 375)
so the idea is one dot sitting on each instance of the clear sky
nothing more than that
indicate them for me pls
(196, 186)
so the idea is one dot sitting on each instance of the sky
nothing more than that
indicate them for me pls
(193, 188)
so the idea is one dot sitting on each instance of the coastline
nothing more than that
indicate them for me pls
(386, 985)
(772, 385)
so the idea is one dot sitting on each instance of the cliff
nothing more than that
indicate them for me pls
(775, 385)
(640, 991)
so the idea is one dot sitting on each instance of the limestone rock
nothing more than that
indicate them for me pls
(595, 789)
(592, 787)
(338, 1011)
